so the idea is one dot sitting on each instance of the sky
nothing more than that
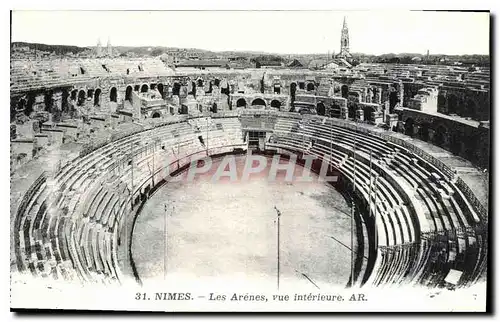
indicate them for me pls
(282, 32)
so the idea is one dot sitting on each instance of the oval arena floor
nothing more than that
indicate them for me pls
(226, 232)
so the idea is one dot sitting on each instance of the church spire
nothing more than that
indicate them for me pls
(98, 47)
(344, 41)
(110, 48)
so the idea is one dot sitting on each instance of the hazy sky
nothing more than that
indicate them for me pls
(293, 32)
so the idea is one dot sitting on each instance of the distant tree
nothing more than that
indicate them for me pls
(156, 52)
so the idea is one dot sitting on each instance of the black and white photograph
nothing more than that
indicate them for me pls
(250, 160)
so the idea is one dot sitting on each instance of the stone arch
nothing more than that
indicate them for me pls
(74, 94)
(344, 90)
(440, 134)
(456, 143)
(470, 108)
(90, 93)
(49, 101)
(276, 104)
(423, 131)
(152, 86)
(293, 91)
(409, 125)
(452, 104)
(81, 98)
(144, 88)
(29, 104)
(320, 109)
(176, 90)
(113, 96)
(258, 101)
(156, 115)
(393, 99)
(351, 110)
(199, 82)
(193, 89)
(310, 87)
(161, 89)
(64, 99)
(97, 97)
(241, 103)
(441, 100)
(128, 93)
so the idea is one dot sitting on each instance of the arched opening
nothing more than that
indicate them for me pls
(74, 94)
(470, 108)
(113, 97)
(259, 102)
(440, 135)
(241, 103)
(276, 104)
(128, 93)
(216, 82)
(344, 91)
(144, 88)
(320, 109)
(224, 87)
(49, 102)
(176, 89)
(214, 108)
(193, 89)
(152, 87)
(136, 88)
(423, 131)
(90, 94)
(452, 104)
(310, 87)
(441, 100)
(81, 98)
(184, 109)
(160, 90)
(29, 105)
(277, 89)
(97, 97)
(293, 90)
(156, 115)
(200, 82)
(409, 124)
(351, 110)
(64, 99)
(456, 143)
(393, 99)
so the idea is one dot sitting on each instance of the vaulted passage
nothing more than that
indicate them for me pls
(276, 104)
(97, 97)
(344, 91)
(113, 95)
(241, 103)
(259, 102)
(320, 109)
(128, 94)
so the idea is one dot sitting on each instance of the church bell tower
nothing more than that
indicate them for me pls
(344, 42)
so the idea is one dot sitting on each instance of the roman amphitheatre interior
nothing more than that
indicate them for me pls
(97, 138)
